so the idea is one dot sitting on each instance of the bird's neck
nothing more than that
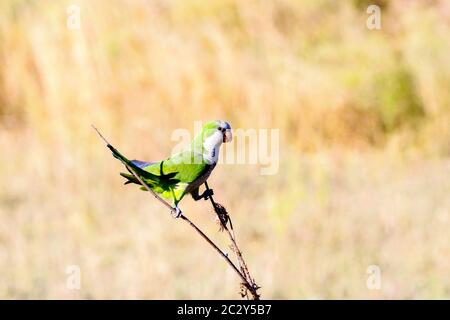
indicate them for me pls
(211, 156)
(211, 148)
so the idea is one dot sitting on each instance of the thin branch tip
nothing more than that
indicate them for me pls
(101, 136)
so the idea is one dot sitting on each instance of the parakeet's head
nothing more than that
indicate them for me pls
(225, 128)
(218, 129)
(213, 134)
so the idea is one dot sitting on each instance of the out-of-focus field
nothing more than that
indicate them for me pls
(364, 152)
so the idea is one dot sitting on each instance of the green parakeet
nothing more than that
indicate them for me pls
(185, 172)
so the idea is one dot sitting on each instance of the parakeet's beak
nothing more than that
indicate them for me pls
(227, 136)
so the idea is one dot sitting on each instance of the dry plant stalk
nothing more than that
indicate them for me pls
(248, 284)
(223, 217)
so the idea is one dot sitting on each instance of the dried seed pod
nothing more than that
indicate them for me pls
(222, 215)
(243, 290)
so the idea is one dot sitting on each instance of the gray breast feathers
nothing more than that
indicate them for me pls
(202, 178)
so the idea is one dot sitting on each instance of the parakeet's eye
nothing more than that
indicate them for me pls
(221, 129)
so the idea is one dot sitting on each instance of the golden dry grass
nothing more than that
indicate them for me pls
(364, 152)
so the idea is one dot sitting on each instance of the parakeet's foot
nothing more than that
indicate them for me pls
(177, 213)
(207, 193)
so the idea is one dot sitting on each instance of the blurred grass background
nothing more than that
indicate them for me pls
(365, 144)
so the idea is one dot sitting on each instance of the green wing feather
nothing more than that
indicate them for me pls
(185, 167)
(169, 178)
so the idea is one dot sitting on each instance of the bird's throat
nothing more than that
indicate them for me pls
(211, 156)
(211, 147)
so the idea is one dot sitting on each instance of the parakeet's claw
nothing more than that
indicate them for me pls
(177, 212)
(207, 193)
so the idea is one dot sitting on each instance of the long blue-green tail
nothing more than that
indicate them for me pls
(163, 180)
